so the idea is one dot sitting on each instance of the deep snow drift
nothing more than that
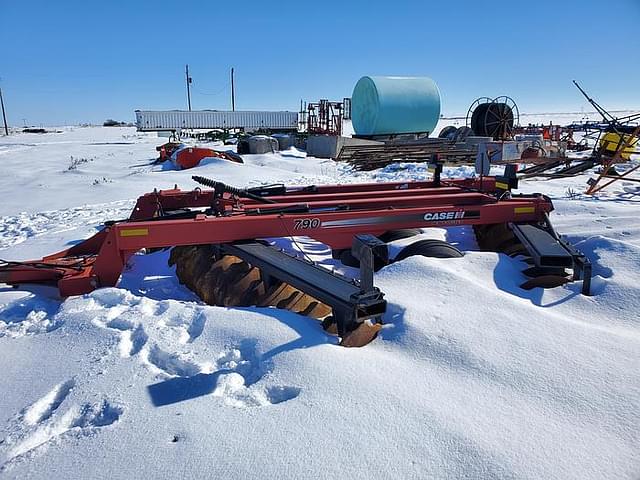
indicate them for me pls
(471, 377)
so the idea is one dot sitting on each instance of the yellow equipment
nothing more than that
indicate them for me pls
(610, 143)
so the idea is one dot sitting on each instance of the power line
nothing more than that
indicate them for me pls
(233, 92)
(189, 81)
(200, 92)
(4, 115)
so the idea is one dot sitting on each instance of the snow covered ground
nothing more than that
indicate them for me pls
(471, 377)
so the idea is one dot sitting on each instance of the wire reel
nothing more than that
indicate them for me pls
(495, 118)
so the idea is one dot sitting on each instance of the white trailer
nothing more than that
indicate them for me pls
(176, 120)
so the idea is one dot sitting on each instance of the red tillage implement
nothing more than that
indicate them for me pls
(186, 157)
(336, 215)
(192, 156)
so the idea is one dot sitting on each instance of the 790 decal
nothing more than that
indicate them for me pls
(305, 223)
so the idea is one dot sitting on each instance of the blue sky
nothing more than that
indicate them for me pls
(85, 61)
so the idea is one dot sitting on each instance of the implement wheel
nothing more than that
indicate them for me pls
(429, 248)
(393, 235)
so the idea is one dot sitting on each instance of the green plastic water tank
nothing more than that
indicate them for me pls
(391, 105)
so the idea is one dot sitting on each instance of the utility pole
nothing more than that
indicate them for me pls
(233, 93)
(4, 115)
(189, 80)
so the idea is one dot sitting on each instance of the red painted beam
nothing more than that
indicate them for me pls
(337, 213)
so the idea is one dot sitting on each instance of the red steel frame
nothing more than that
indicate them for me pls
(325, 117)
(333, 215)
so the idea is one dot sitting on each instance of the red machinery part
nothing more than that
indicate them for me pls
(166, 150)
(332, 214)
(192, 156)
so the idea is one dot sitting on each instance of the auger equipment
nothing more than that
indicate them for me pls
(221, 250)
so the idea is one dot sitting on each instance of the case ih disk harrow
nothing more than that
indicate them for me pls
(218, 254)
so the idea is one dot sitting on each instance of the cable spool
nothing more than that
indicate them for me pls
(469, 121)
(493, 118)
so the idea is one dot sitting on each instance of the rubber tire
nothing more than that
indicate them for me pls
(393, 235)
(243, 147)
(462, 133)
(429, 248)
(448, 132)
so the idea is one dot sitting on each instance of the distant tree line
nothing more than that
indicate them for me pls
(114, 123)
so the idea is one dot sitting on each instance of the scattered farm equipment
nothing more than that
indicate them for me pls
(370, 157)
(608, 171)
(569, 168)
(219, 248)
(490, 127)
(325, 117)
(185, 157)
(166, 150)
(615, 141)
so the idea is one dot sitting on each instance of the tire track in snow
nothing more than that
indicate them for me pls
(42, 423)
(235, 377)
(29, 315)
(15, 229)
(169, 363)
(151, 330)
(43, 408)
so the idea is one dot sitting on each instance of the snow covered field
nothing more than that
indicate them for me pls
(471, 377)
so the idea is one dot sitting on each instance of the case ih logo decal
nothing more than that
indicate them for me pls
(444, 216)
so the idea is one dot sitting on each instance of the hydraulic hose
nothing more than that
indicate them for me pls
(223, 187)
